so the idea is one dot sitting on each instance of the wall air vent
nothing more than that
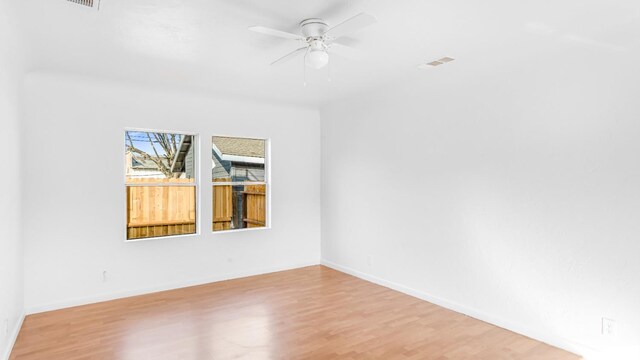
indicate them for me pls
(88, 3)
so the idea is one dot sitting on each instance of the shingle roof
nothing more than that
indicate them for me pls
(240, 146)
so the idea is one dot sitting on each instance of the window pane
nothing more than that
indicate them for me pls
(239, 206)
(154, 211)
(238, 159)
(154, 156)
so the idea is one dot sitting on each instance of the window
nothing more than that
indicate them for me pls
(161, 186)
(240, 183)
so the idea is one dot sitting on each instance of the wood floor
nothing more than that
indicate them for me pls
(309, 313)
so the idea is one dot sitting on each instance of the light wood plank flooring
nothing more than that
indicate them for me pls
(309, 313)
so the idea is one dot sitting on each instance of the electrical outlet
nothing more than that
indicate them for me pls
(609, 327)
(104, 276)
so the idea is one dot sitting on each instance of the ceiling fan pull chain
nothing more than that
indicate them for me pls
(329, 70)
(304, 68)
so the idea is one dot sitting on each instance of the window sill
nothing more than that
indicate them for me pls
(240, 230)
(161, 238)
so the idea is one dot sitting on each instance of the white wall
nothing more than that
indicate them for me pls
(505, 189)
(74, 223)
(11, 263)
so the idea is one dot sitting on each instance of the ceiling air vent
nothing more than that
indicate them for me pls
(433, 64)
(88, 3)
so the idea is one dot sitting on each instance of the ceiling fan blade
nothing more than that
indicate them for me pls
(289, 56)
(351, 25)
(276, 33)
(344, 51)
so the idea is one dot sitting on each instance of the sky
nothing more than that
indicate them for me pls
(141, 141)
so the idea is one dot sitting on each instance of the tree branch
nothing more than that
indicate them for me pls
(157, 160)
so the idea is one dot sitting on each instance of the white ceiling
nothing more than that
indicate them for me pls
(204, 45)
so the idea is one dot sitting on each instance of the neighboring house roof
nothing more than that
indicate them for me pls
(238, 159)
(239, 146)
(178, 164)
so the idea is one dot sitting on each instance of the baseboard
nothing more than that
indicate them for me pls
(13, 338)
(565, 344)
(172, 286)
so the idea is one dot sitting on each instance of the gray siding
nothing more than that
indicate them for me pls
(189, 164)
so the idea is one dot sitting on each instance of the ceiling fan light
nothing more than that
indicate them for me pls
(317, 59)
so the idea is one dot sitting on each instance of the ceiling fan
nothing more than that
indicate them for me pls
(318, 39)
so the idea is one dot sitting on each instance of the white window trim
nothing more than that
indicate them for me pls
(196, 183)
(267, 182)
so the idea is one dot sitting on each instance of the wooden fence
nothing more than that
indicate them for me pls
(155, 210)
(160, 210)
(253, 206)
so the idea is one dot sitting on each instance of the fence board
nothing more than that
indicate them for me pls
(222, 205)
(255, 205)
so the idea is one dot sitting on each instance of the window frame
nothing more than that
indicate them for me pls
(196, 183)
(267, 183)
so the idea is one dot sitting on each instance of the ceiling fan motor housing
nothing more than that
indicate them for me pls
(316, 38)
(313, 30)
(313, 27)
